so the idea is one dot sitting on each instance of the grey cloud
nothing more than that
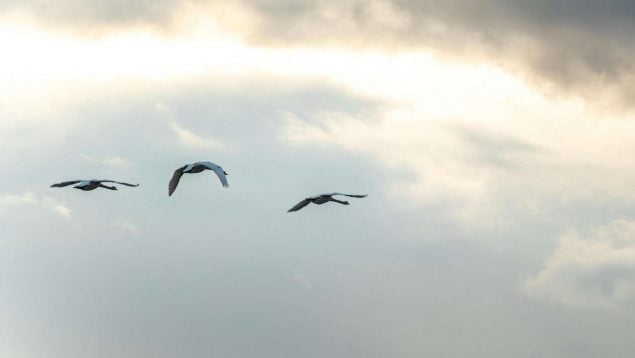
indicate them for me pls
(208, 272)
(573, 44)
(594, 270)
(203, 273)
(498, 150)
(88, 16)
(583, 47)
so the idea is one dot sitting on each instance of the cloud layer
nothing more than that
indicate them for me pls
(597, 270)
(454, 222)
(582, 47)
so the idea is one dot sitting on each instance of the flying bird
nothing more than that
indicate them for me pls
(196, 168)
(323, 198)
(93, 184)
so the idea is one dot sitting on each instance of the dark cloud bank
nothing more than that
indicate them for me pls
(584, 46)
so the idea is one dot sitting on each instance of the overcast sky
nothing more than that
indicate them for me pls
(493, 139)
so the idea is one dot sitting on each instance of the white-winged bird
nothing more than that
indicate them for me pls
(196, 168)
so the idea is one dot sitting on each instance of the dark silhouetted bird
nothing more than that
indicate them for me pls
(323, 198)
(93, 184)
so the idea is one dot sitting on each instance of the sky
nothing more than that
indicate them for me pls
(492, 138)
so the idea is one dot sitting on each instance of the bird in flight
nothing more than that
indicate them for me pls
(323, 198)
(197, 168)
(93, 184)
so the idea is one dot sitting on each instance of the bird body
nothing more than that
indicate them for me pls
(197, 168)
(87, 185)
(324, 198)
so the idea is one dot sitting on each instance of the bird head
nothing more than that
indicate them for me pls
(345, 202)
(224, 172)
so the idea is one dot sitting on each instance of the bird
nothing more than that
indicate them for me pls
(197, 168)
(323, 198)
(92, 184)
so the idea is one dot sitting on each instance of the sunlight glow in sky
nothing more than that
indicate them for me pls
(424, 84)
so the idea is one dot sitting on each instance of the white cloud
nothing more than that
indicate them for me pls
(596, 269)
(557, 150)
(443, 164)
(111, 161)
(191, 139)
(162, 109)
(59, 208)
(14, 199)
(62, 210)
(126, 226)
(29, 198)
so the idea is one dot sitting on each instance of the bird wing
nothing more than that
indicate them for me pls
(219, 172)
(221, 175)
(299, 205)
(209, 165)
(175, 180)
(117, 182)
(65, 183)
(351, 195)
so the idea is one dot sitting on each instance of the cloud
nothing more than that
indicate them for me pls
(29, 198)
(126, 226)
(59, 208)
(193, 140)
(16, 199)
(111, 161)
(429, 154)
(582, 47)
(397, 275)
(92, 16)
(593, 269)
(492, 172)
